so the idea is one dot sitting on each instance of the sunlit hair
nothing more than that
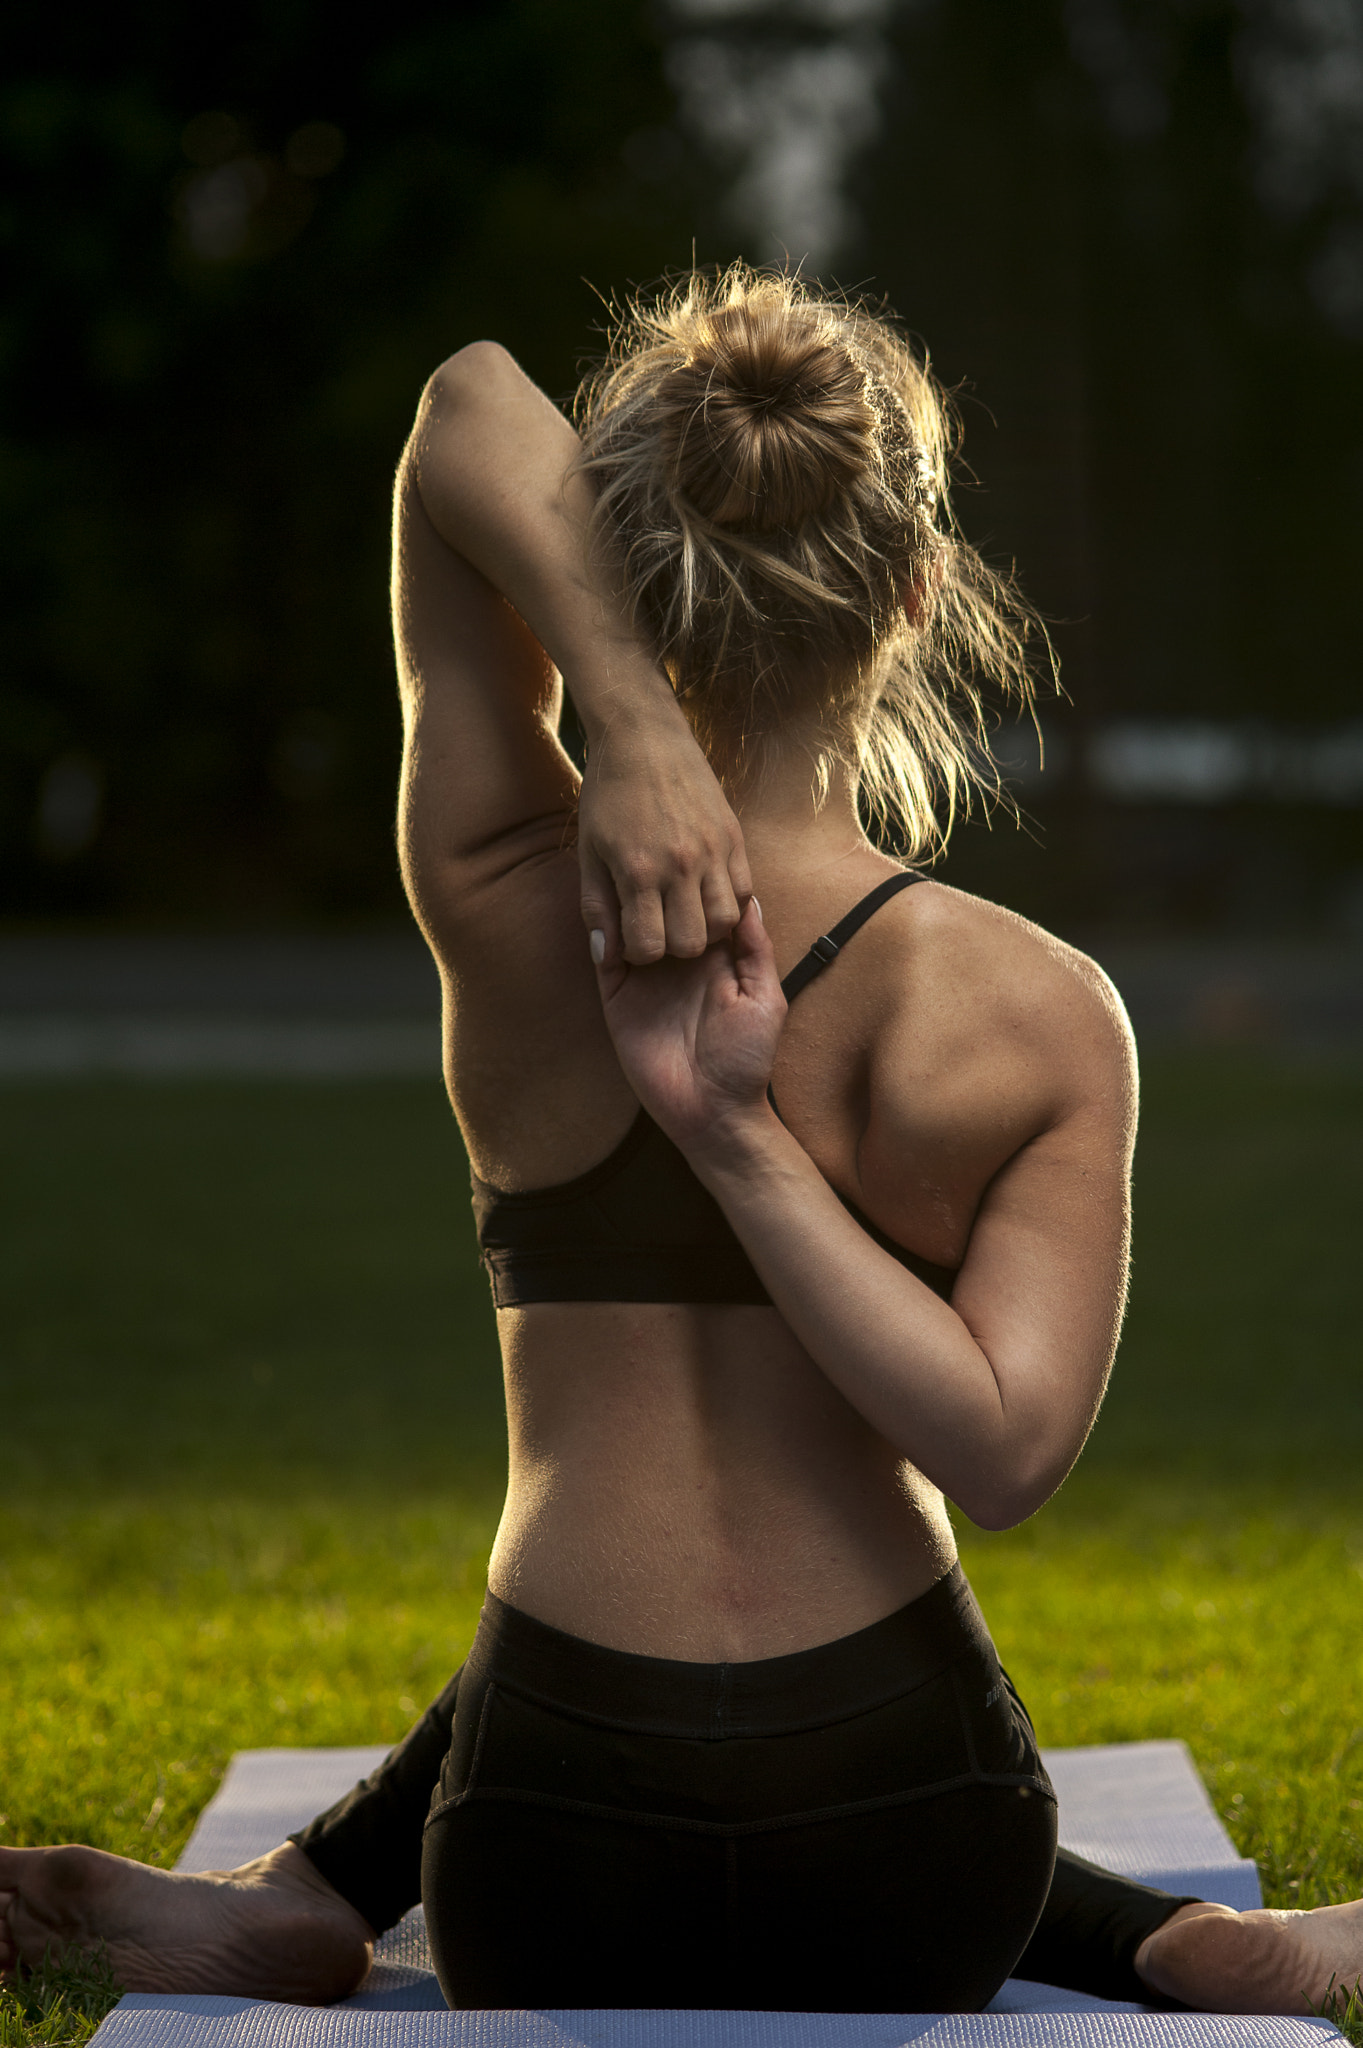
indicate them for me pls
(771, 466)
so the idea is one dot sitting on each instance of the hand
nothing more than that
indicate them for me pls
(659, 850)
(697, 1038)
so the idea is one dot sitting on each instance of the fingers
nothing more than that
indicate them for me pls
(661, 916)
(623, 913)
(682, 919)
(720, 908)
(686, 920)
(725, 887)
(663, 903)
(699, 907)
(600, 907)
(753, 953)
(643, 927)
(740, 875)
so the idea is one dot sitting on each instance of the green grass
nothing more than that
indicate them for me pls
(1349, 2018)
(251, 1455)
(59, 2004)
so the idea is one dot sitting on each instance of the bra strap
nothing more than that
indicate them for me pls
(827, 948)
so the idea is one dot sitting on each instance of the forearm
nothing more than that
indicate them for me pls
(902, 1356)
(494, 463)
(659, 850)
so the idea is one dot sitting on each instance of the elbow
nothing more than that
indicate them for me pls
(469, 378)
(456, 400)
(1001, 1493)
(465, 399)
(997, 1509)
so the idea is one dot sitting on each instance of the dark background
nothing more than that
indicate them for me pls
(1130, 230)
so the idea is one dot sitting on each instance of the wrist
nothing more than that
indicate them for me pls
(742, 1142)
(625, 696)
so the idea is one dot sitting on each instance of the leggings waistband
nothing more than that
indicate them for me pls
(767, 1696)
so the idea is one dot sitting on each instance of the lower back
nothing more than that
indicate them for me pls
(685, 1483)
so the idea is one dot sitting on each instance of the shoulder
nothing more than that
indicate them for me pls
(979, 961)
(999, 1022)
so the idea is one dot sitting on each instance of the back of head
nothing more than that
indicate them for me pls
(769, 419)
(771, 470)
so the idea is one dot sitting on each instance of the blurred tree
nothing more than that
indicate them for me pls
(1133, 235)
(1132, 231)
(234, 253)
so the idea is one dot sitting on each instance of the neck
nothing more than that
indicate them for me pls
(787, 828)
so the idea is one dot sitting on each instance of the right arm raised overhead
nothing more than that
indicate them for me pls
(491, 539)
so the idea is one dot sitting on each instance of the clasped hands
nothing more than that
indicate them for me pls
(686, 971)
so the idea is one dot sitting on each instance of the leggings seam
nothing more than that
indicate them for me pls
(483, 1715)
(474, 1761)
(683, 1823)
(967, 1732)
(629, 1724)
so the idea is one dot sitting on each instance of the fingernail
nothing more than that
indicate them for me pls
(758, 908)
(598, 946)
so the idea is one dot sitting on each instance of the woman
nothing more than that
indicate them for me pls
(732, 1732)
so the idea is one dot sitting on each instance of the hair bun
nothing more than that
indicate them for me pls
(768, 418)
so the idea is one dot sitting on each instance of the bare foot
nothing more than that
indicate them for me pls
(272, 1929)
(1265, 1961)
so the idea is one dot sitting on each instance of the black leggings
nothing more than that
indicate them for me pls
(862, 1826)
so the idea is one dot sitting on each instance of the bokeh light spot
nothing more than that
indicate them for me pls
(70, 807)
(314, 150)
(211, 138)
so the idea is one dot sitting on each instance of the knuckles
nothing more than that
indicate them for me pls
(638, 873)
(685, 875)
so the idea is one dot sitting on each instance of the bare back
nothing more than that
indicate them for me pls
(684, 1481)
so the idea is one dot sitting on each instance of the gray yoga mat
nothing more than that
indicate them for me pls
(147, 2021)
(1137, 1807)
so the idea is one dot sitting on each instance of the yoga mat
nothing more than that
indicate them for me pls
(1137, 1807)
(1140, 1808)
(145, 2020)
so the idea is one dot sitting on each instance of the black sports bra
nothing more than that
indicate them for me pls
(640, 1226)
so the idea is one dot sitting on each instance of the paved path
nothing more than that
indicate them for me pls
(368, 1003)
(323, 1004)
(1302, 995)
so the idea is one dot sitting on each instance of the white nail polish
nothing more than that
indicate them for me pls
(598, 946)
(758, 908)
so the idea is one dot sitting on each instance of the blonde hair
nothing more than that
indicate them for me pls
(771, 468)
